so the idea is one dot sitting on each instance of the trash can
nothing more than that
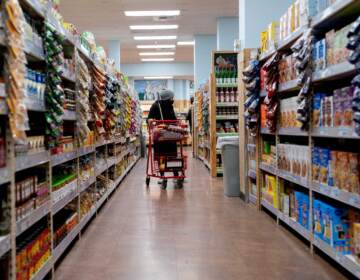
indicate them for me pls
(230, 158)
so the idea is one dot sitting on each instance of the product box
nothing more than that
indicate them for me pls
(286, 204)
(321, 54)
(356, 241)
(324, 155)
(316, 112)
(354, 218)
(318, 219)
(315, 164)
(340, 237)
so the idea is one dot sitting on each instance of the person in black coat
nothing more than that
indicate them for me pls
(163, 109)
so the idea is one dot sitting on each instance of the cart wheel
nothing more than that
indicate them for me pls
(164, 184)
(147, 181)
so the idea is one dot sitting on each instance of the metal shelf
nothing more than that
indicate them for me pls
(265, 130)
(269, 207)
(229, 117)
(4, 175)
(60, 249)
(227, 134)
(348, 262)
(35, 105)
(251, 147)
(292, 132)
(44, 270)
(69, 115)
(293, 178)
(334, 71)
(252, 174)
(84, 185)
(111, 161)
(101, 201)
(294, 225)
(5, 244)
(31, 160)
(227, 104)
(288, 41)
(35, 6)
(36, 215)
(63, 196)
(63, 157)
(87, 217)
(288, 86)
(253, 198)
(67, 76)
(268, 168)
(330, 14)
(335, 193)
(86, 150)
(101, 169)
(33, 51)
(335, 132)
(267, 54)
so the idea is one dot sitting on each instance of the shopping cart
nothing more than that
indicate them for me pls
(163, 134)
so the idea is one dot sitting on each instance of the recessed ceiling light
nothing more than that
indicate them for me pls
(159, 78)
(155, 53)
(157, 59)
(152, 13)
(154, 27)
(156, 46)
(149, 38)
(185, 43)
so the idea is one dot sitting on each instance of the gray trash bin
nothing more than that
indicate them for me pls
(230, 159)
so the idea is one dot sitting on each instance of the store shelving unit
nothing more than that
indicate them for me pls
(247, 143)
(124, 144)
(201, 126)
(338, 138)
(223, 103)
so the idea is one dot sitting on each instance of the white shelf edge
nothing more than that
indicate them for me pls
(333, 71)
(344, 260)
(335, 193)
(44, 270)
(63, 157)
(5, 244)
(31, 160)
(63, 196)
(269, 207)
(36, 215)
(253, 198)
(4, 175)
(85, 185)
(294, 225)
(293, 178)
(335, 132)
(62, 246)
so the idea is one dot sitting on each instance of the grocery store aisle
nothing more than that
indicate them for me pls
(187, 234)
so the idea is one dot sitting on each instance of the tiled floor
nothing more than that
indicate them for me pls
(190, 234)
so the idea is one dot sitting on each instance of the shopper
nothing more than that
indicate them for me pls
(163, 109)
(189, 114)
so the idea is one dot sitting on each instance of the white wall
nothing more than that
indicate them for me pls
(227, 33)
(158, 69)
(255, 16)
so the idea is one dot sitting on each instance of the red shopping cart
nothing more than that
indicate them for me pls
(165, 151)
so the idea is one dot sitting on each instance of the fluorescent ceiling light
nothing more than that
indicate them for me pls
(159, 78)
(186, 43)
(154, 27)
(156, 46)
(152, 13)
(155, 53)
(157, 59)
(148, 38)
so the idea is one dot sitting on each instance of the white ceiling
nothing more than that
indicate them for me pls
(106, 19)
